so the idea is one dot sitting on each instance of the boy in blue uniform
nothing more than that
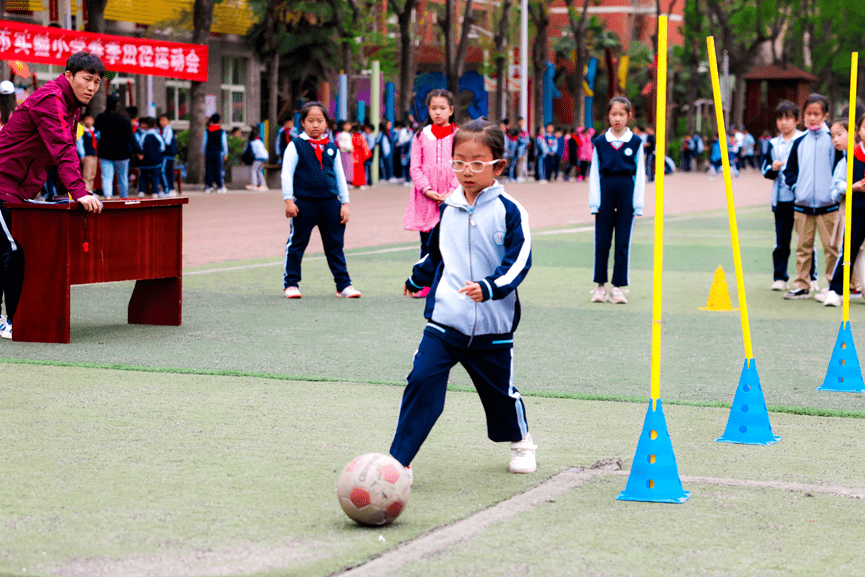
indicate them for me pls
(786, 118)
(478, 253)
(809, 171)
(168, 155)
(150, 165)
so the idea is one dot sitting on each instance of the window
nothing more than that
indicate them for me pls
(233, 91)
(177, 105)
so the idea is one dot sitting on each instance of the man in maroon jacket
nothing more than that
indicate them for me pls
(40, 135)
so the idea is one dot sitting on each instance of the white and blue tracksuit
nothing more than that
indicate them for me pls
(319, 190)
(617, 185)
(782, 205)
(168, 156)
(489, 243)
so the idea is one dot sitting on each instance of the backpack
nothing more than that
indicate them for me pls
(247, 157)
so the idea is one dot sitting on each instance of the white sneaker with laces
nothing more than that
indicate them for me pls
(830, 299)
(617, 296)
(599, 295)
(349, 292)
(523, 456)
(779, 285)
(292, 292)
(6, 329)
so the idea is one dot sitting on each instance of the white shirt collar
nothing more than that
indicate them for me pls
(625, 137)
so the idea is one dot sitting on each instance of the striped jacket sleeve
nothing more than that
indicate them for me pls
(518, 255)
(424, 271)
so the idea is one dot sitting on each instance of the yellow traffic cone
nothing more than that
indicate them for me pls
(719, 295)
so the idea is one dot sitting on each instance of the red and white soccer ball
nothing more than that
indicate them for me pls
(373, 489)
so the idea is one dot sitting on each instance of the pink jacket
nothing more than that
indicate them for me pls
(584, 152)
(430, 169)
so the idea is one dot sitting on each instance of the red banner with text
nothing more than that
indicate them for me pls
(49, 45)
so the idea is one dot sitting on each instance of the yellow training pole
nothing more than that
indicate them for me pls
(660, 157)
(731, 208)
(848, 204)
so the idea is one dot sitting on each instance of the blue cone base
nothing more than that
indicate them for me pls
(748, 423)
(654, 475)
(845, 373)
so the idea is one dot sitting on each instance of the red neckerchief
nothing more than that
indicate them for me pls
(442, 131)
(859, 152)
(318, 151)
(92, 137)
(213, 127)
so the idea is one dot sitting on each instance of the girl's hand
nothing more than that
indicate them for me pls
(343, 214)
(777, 164)
(406, 292)
(474, 291)
(858, 186)
(291, 209)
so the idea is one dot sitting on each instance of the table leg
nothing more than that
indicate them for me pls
(156, 302)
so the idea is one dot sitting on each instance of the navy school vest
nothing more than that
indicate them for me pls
(621, 162)
(311, 178)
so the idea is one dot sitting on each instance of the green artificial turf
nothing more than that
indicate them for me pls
(136, 473)
(236, 322)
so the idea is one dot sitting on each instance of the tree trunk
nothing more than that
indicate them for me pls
(202, 19)
(501, 58)
(95, 23)
(739, 101)
(581, 56)
(406, 88)
(540, 18)
(272, 64)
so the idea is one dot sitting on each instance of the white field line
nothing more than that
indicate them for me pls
(408, 248)
(442, 538)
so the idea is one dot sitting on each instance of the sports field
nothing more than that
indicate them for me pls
(214, 448)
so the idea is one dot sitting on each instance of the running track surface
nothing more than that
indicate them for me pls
(252, 225)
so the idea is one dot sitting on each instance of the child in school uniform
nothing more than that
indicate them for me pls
(809, 171)
(478, 253)
(786, 119)
(259, 159)
(150, 165)
(87, 147)
(617, 182)
(832, 298)
(315, 194)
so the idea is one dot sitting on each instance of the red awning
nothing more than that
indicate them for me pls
(49, 45)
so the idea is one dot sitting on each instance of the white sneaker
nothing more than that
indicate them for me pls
(250, 187)
(830, 299)
(779, 285)
(292, 292)
(349, 292)
(617, 296)
(222, 190)
(140, 195)
(814, 286)
(263, 187)
(523, 456)
(208, 190)
(599, 295)
(6, 329)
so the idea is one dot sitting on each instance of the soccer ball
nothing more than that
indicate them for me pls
(373, 489)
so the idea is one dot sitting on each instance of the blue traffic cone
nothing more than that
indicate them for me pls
(844, 374)
(748, 423)
(654, 475)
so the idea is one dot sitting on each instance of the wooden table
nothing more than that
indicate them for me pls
(132, 239)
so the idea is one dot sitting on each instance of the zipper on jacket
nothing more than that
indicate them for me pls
(471, 274)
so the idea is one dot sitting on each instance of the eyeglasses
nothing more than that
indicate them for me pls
(475, 165)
